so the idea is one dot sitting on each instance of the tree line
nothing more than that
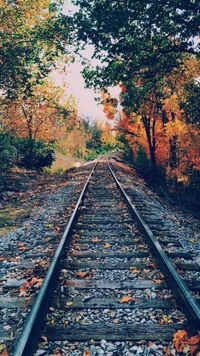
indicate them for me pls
(149, 49)
(37, 116)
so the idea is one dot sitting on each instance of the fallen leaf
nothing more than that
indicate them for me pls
(5, 353)
(7, 327)
(96, 240)
(87, 353)
(36, 282)
(23, 248)
(44, 338)
(116, 321)
(150, 343)
(69, 304)
(2, 347)
(123, 249)
(20, 244)
(181, 340)
(134, 270)
(82, 274)
(107, 245)
(33, 281)
(125, 299)
(167, 350)
(158, 281)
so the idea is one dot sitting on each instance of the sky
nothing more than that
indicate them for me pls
(88, 106)
(86, 97)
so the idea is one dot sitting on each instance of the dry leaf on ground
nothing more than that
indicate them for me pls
(181, 340)
(82, 274)
(87, 353)
(126, 299)
(107, 245)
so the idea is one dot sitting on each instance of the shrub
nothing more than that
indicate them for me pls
(35, 155)
(8, 153)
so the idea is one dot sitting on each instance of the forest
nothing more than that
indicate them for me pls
(149, 50)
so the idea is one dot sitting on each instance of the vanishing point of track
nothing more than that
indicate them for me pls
(107, 246)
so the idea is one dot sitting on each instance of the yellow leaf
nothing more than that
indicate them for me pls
(107, 245)
(134, 270)
(191, 240)
(69, 304)
(123, 249)
(2, 347)
(77, 319)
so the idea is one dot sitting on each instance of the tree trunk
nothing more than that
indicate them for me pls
(151, 139)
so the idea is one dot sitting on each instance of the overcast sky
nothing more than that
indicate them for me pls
(88, 106)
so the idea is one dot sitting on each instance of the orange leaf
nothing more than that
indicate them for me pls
(20, 244)
(33, 281)
(158, 281)
(87, 353)
(181, 339)
(4, 353)
(82, 274)
(167, 350)
(96, 240)
(116, 321)
(125, 299)
(107, 245)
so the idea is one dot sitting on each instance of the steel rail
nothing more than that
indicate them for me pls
(180, 289)
(28, 338)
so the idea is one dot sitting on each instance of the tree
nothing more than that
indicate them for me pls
(32, 36)
(47, 115)
(137, 39)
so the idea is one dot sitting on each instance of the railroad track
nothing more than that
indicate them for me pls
(115, 281)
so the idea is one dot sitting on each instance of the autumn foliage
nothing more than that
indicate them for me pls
(162, 133)
(183, 342)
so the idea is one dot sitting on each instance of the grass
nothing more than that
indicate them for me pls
(63, 163)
